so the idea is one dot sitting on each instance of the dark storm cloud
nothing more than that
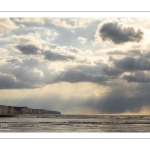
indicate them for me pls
(138, 77)
(74, 76)
(28, 49)
(94, 74)
(27, 75)
(25, 71)
(130, 63)
(57, 57)
(111, 71)
(8, 82)
(117, 33)
(24, 75)
(99, 69)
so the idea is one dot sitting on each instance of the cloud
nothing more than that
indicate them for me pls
(118, 33)
(45, 33)
(130, 63)
(38, 72)
(74, 50)
(29, 20)
(10, 82)
(125, 53)
(111, 71)
(98, 74)
(99, 69)
(6, 25)
(70, 23)
(82, 40)
(51, 56)
(31, 62)
(28, 39)
(25, 73)
(28, 49)
(74, 76)
(138, 77)
(13, 60)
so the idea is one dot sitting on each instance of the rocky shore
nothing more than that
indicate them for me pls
(13, 110)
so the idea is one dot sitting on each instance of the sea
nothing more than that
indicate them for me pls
(75, 123)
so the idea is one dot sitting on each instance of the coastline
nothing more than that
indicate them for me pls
(10, 111)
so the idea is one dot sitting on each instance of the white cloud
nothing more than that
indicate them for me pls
(48, 34)
(29, 20)
(4, 54)
(71, 22)
(82, 40)
(6, 25)
(39, 71)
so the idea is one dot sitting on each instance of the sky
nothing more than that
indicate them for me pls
(76, 65)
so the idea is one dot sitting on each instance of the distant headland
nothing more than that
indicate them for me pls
(14, 110)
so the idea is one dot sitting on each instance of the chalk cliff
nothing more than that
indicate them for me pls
(13, 110)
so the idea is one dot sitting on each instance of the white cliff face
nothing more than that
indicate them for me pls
(12, 110)
(4, 110)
